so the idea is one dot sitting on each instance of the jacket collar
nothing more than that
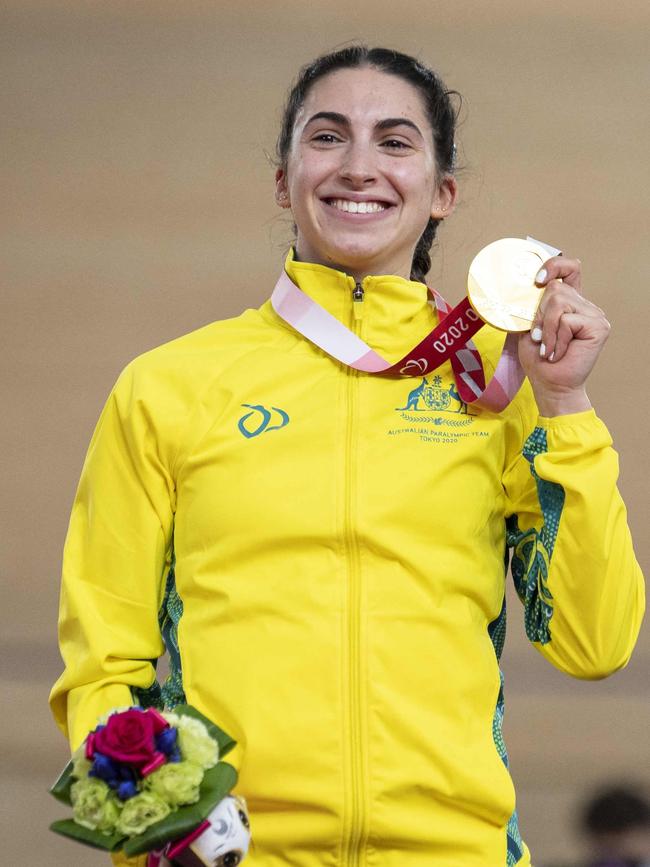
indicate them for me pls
(395, 313)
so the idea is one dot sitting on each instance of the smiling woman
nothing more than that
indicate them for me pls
(387, 151)
(321, 549)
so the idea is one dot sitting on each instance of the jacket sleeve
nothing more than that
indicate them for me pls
(116, 556)
(572, 558)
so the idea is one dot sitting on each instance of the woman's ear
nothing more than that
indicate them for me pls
(281, 192)
(444, 200)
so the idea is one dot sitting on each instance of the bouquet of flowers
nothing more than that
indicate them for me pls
(148, 781)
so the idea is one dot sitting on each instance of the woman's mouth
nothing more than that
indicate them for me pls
(347, 206)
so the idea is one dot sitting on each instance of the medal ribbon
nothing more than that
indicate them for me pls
(450, 340)
(163, 857)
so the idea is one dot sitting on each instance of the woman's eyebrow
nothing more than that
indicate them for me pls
(343, 120)
(390, 122)
(334, 116)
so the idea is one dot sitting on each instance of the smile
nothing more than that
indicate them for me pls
(350, 207)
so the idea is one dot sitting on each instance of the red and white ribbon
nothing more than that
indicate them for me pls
(450, 340)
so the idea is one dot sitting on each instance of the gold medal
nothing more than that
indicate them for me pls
(501, 283)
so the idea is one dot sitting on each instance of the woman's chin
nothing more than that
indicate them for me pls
(356, 253)
(356, 257)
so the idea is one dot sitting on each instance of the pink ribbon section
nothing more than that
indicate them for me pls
(158, 760)
(160, 857)
(183, 843)
(90, 747)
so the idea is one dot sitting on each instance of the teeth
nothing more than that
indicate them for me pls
(357, 207)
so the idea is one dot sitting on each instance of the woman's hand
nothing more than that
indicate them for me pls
(565, 340)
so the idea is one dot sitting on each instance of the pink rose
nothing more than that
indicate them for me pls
(129, 737)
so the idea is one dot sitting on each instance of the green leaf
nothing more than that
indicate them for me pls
(61, 789)
(69, 828)
(217, 783)
(226, 743)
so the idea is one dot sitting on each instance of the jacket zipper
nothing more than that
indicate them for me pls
(357, 814)
(357, 305)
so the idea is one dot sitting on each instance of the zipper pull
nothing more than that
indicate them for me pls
(357, 297)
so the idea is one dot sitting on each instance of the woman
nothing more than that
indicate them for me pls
(327, 571)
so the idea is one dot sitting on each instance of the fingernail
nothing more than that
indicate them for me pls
(536, 334)
(542, 350)
(551, 356)
(541, 276)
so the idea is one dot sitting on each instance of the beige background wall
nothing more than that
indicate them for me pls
(137, 204)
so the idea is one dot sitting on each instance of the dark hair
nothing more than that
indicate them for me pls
(440, 109)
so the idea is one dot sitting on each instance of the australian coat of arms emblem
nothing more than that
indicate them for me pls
(435, 397)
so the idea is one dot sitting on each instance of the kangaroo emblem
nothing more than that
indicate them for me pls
(414, 396)
(462, 406)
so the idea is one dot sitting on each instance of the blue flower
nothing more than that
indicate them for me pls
(126, 774)
(104, 768)
(166, 740)
(126, 790)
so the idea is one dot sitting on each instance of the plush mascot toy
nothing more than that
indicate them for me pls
(223, 840)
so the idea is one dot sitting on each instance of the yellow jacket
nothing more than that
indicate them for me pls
(323, 552)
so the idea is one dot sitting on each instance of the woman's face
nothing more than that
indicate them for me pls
(361, 176)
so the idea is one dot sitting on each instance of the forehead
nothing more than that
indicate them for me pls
(365, 94)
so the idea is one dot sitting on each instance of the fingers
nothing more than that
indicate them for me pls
(561, 326)
(561, 268)
(563, 278)
(570, 327)
(564, 335)
(563, 315)
(558, 299)
(558, 304)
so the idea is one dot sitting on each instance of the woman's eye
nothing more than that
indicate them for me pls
(395, 143)
(326, 138)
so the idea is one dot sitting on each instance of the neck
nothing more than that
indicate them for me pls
(393, 313)
(357, 271)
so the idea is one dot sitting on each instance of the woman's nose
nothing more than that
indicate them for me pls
(358, 166)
